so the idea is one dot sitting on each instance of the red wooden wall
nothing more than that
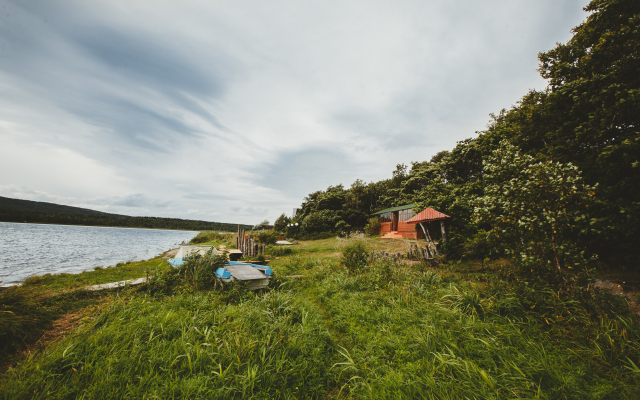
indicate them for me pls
(406, 230)
(385, 227)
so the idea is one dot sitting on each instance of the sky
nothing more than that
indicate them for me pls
(234, 111)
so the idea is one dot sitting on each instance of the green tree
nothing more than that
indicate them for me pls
(538, 211)
(373, 226)
(281, 223)
(588, 116)
(259, 224)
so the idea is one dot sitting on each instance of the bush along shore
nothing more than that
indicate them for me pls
(348, 326)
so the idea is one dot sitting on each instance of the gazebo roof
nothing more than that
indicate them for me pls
(427, 215)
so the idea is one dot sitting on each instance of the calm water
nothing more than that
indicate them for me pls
(36, 249)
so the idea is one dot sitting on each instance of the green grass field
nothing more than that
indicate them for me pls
(393, 330)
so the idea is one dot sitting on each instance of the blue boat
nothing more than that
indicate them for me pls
(256, 276)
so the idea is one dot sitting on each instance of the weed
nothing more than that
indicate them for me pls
(355, 256)
(467, 301)
(278, 251)
(215, 238)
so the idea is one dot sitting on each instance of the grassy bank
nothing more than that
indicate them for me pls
(392, 330)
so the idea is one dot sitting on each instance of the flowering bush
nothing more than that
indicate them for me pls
(538, 211)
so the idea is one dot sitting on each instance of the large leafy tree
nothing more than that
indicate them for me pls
(538, 211)
(589, 115)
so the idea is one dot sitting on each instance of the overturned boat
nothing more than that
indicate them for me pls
(255, 276)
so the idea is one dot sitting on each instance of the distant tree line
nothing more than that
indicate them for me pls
(12, 215)
(578, 140)
(45, 207)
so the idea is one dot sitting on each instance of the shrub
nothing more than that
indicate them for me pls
(217, 238)
(314, 236)
(538, 212)
(373, 226)
(278, 251)
(355, 256)
(266, 237)
(343, 228)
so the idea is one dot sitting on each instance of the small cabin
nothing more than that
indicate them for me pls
(393, 223)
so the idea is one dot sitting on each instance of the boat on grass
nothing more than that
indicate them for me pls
(255, 276)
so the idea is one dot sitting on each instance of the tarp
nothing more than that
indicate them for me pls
(187, 250)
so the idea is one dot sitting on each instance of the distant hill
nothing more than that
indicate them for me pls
(44, 207)
(16, 210)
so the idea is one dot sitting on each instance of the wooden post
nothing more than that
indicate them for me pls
(444, 234)
(428, 237)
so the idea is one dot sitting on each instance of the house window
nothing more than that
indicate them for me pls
(386, 217)
(405, 215)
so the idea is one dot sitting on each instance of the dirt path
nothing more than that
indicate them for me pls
(629, 291)
(62, 326)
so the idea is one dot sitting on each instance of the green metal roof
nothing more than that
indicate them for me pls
(386, 210)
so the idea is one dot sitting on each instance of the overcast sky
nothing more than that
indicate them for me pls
(234, 111)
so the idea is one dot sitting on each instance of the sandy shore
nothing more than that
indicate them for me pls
(170, 253)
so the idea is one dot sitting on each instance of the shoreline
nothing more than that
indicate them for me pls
(165, 255)
(42, 249)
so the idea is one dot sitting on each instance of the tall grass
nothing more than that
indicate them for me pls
(26, 313)
(188, 346)
(419, 337)
(392, 330)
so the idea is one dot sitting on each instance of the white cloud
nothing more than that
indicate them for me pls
(237, 110)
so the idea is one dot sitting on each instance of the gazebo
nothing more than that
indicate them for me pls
(429, 215)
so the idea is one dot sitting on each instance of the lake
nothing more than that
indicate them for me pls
(37, 249)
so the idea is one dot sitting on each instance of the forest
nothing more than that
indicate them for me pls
(569, 155)
(16, 210)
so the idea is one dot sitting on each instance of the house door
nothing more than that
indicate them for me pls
(394, 221)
